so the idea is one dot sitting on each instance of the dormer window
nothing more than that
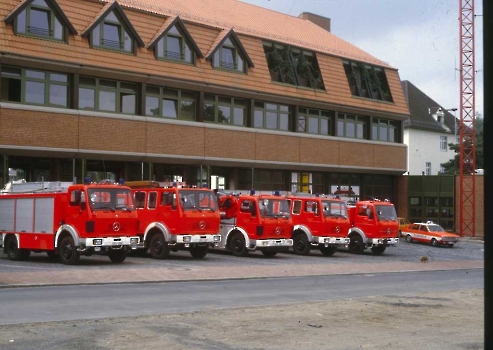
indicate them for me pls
(174, 46)
(228, 57)
(38, 19)
(111, 34)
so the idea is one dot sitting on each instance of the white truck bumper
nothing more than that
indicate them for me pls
(331, 240)
(380, 241)
(187, 239)
(264, 243)
(110, 242)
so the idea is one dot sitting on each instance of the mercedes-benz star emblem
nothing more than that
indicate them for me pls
(116, 226)
(338, 229)
(389, 231)
(278, 231)
(202, 225)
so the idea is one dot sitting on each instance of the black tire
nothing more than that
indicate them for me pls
(409, 239)
(199, 251)
(379, 249)
(117, 256)
(356, 245)
(52, 255)
(451, 245)
(13, 252)
(159, 248)
(301, 246)
(269, 253)
(434, 242)
(328, 251)
(68, 251)
(237, 245)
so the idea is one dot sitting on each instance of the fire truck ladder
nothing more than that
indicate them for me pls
(467, 128)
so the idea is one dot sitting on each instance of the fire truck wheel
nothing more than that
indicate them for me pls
(159, 247)
(301, 246)
(117, 256)
(356, 245)
(199, 251)
(15, 253)
(68, 251)
(269, 253)
(379, 249)
(237, 245)
(328, 251)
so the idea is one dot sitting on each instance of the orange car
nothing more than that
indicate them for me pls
(431, 233)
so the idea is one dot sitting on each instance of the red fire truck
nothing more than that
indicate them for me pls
(174, 217)
(69, 222)
(374, 225)
(319, 222)
(250, 222)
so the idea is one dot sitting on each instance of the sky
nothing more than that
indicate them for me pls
(418, 37)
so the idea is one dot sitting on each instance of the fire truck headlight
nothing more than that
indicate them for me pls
(187, 239)
(134, 240)
(97, 241)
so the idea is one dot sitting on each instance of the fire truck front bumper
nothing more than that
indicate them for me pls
(110, 242)
(331, 240)
(188, 239)
(383, 241)
(268, 243)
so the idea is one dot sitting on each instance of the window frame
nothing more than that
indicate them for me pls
(47, 82)
(216, 103)
(428, 168)
(179, 102)
(184, 44)
(346, 120)
(52, 20)
(279, 112)
(443, 143)
(374, 79)
(217, 62)
(307, 113)
(119, 91)
(380, 124)
(122, 31)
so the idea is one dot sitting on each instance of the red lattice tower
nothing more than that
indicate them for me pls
(467, 129)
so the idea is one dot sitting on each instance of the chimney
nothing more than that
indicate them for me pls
(320, 21)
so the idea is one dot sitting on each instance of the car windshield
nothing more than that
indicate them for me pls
(334, 209)
(435, 228)
(274, 208)
(110, 199)
(198, 200)
(386, 212)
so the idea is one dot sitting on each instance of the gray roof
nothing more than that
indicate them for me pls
(421, 108)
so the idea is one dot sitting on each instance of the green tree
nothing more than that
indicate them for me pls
(452, 166)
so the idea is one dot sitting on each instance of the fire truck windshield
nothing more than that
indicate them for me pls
(110, 199)
(386, 212)
(334, 209)
(197, 200)
(274, 208)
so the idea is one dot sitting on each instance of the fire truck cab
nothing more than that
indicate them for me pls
(251, 222)
(69, 222)
(374, 225)
(174, 217)
(319, 222)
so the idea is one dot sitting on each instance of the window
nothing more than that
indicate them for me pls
(174, 46)
(111, 34)
(367, 81)
(384, 130)
(351, 126)
(443, 143)
(107, 95)
(170, 103)
(271, 116)
(428, 168)
(228, 57)
(314, 121)
(151, 203)
(227, 110)
(34, 87)
(293, 66)
(39, 20)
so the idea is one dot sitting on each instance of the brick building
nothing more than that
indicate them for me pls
(220, 92)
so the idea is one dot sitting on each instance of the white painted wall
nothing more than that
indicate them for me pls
(424, 146)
